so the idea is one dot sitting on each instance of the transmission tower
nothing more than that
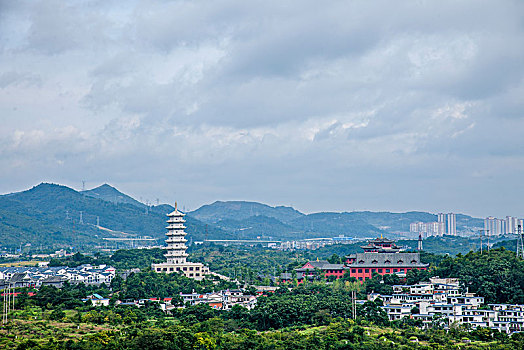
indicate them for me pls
(481, 235)
(8, 301)
(520, 243)
(81, 221)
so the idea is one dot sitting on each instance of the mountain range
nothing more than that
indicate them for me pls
(51, 215)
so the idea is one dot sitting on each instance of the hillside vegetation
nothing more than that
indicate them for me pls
(48, 215)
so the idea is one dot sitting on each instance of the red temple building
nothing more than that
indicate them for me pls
(381, 255)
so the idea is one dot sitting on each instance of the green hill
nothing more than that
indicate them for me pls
(288, 223)
(260, 226)
(49, 215)
(334, 224)
(110, 194)
(240, 210)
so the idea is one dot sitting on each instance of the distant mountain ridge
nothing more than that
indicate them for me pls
(253, 219)
(241, 210)
(49, 215)
(110, 194)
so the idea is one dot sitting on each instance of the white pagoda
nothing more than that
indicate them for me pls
(176, 250)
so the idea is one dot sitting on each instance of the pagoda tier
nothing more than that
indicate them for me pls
(171, 254)
(176, 227)
(176, 240)
(176, 233)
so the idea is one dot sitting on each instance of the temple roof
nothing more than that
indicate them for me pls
(380, 240)
(387, 260)
(322, 265)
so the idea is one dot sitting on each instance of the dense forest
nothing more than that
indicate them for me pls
(314, 315)
(497, 274)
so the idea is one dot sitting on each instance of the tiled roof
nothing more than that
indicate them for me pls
(323, 265)
(387, 259)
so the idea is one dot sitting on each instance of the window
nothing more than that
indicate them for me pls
(353, 270)
(395, 270)
(198, 268)
(379, 270)
(191, 268)
(400, 261)
(359, 270)
(184, 268)
(387, 262)
(366, 270)
(387, 270)
(165, 269)
(374, 262)
(170, 269)
(373, 270)
(178, 268)
(361, 261)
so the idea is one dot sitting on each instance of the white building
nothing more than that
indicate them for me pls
(176, 250)
(442, 297)
(452, 224)
(427, 229)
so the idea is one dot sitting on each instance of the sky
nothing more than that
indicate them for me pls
(338, 106)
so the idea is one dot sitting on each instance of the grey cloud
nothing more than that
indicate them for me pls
(361, 105)
(17, 78)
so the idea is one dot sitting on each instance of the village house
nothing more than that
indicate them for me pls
(443, 298)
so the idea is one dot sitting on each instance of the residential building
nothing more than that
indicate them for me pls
(451, 224)
(36, 277)
(443, 298)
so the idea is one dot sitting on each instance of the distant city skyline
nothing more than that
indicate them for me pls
(346, 106)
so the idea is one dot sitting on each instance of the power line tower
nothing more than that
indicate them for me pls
(520, 242)
(81, 221)
(8, 301)
(354, 304)
(481, 235)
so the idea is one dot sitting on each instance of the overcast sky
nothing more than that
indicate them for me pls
(342, 105)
